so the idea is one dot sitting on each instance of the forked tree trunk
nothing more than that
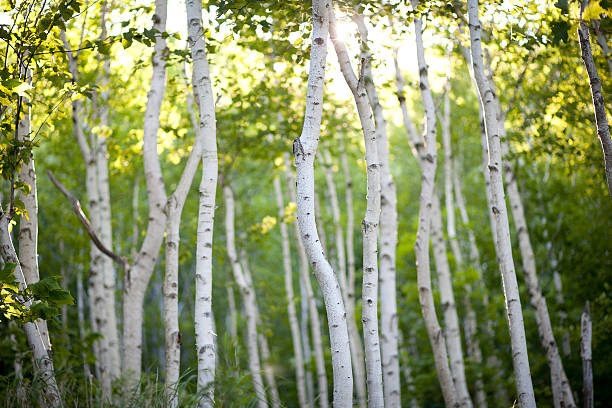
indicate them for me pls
(601, 118)
(586, 355)
(248, 298)
(43, 364)
(357, 357)
(369, 225)
(300, 375)
(313, 314)
(304, 149)
(503, 244)
(203, 317)
(388, 237)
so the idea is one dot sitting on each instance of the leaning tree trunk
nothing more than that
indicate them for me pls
(203, 317)
(43, 364)
(426, 150)
(291, 311)
(357, 357)
(369, 225)
(388, 237)
(248, 298)
(503, 244)
(315, 324)
(601, 118)
(304, 150)
(137, 280)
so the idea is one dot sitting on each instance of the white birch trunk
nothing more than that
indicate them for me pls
(97, 295)
(601, 118)
(43, 364)
(291, 311)
(388, 237)
(105, 230)
(586, 332)
(313, 314)
(202, 90)
(248, 298)
(81, 318)
(304, 149)
(369, 225)
(427, 157)
(262, 340)
(562, 393)
(473, 345)
(357, 357)
(503, 244)
(232, 315)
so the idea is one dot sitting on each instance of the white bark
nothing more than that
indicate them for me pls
(369, 225)
(586, 332)
(474, 351)
(174, 209)
(262, 340)
(313, 314)
(300, 375)
(248, 298)
(105, 229)
(498, 207)
(304, 149)
(41, 358)
(426, 151)
(357, 357)
(97, 295)
(562, 393)
(81, 318)
(232, 315)
(202, 90)
(137, 280)
(388, 238)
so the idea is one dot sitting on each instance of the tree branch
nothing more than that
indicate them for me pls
(76, 207)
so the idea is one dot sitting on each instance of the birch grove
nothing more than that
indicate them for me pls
(113, 98)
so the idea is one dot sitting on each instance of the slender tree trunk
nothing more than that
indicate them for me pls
(473, 348)
(503, 244)
(357, 357)
(315, 324)
(585, 354)
(291, 312)
(603, 43)
(81, 318)
(248, 298)
(369, 225)
(565, 339)
(105, 228)
(202, 90)
(304, 323)
(562, 393)
(43, 364)
(262, 340)
(601, 118)
(304, 149)
(426, 151)
(388, 237)
(232, 316)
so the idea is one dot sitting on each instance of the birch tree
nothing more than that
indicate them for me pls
(369, 225)
(204, 319)
(388, 235)
(248, 298)
(586, 355)
(601, 118)
(300, 375)
(313, 314)
(304, 150)
(498, 207)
